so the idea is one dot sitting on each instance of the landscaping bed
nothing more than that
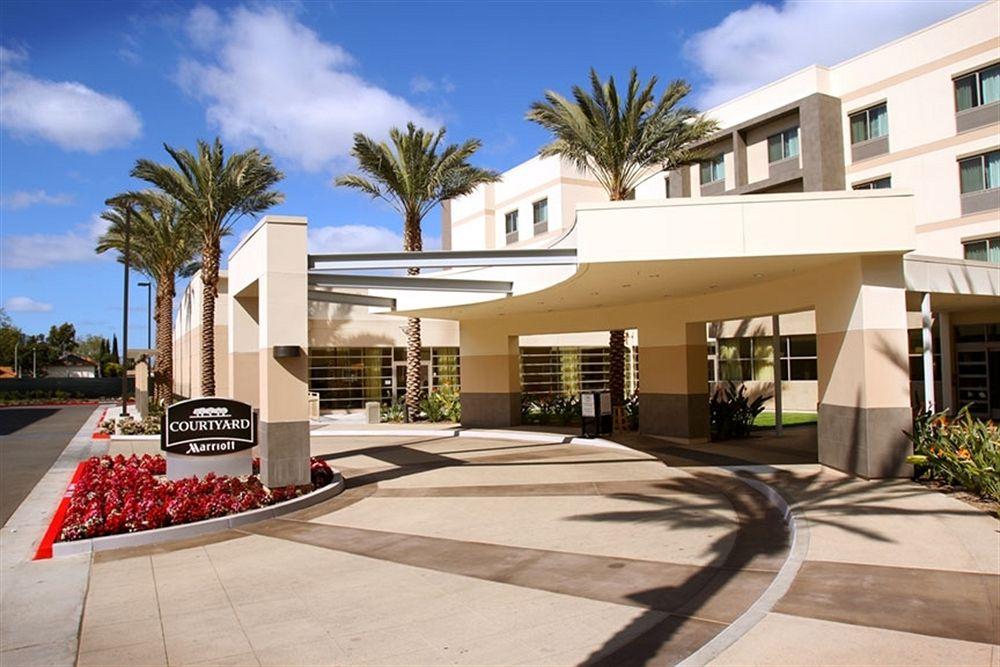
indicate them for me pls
(112, 496)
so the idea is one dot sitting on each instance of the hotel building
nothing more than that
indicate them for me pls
(856, 206)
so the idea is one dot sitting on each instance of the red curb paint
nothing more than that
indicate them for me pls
(101, 435)
(45, 548)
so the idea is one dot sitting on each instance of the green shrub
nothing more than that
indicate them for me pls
(732, 412)
(147, 426)
(394, 413)
(442, 404)
(963, 451)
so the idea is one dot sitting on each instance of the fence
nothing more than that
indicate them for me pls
(79, 387)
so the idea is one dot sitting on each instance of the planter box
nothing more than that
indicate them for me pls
(126, 445)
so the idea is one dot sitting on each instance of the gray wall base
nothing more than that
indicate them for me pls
(488, 410)
(284, 453)
(868, 442)
(678, 416)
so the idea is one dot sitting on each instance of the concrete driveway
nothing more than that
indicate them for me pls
(31, 439)
(486, 551)
(453, 551)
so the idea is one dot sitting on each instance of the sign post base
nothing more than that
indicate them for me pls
(236, 464)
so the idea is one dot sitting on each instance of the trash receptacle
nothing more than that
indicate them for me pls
(373, 412)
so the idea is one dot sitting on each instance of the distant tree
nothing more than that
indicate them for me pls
(114, 349)
(213, 192)
(10, 336)
(62, 338)
(413, 174)
(620, 140)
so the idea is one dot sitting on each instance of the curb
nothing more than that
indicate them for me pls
(798, 530)
(538, 436)
(198, 528)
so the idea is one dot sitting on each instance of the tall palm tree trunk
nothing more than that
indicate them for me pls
(163, 369)
(210, 281)
(412, 242)
(616, 367)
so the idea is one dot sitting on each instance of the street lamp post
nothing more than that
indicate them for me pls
(17, 362)
(149, 313)
(124, 369)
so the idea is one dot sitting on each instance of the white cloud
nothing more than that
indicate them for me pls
(9, 56)
(420, 85)
(360, 238)
(270, 80)
(33, 251)
(24, 304)
(66, 113)
(24, 199)
(762, 43)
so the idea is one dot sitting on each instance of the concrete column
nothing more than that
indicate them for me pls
(673, 381)
(947, 352)
(270, 266)
(927, 340)
(244, 337)
(491, 376)
(142, 386)
(864, 401)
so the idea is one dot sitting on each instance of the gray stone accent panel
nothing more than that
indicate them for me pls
(784, 169)
(869, 149)
(490, 410)
(674, 415)
(980, 116)
(284, 453)
(977, 202)
(868, 442)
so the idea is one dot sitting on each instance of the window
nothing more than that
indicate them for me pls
(877, 184)
(713, 170)
(745, 359)
(871, 123)
(783, 145)
(510, 226)
(978, 88)
(983, 250)
(980, 172)
(540, 215)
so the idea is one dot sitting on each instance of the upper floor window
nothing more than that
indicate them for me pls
(978, 88)
(510, 226)
(540, 215)
(713, 170)
(871, 123)
(783, 145)
(980, 172)
(983, 250)
(876, 184)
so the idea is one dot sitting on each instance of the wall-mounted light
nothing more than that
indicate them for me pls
(286, 351)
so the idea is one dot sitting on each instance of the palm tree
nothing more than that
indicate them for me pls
(162, 245)
(213, 192)
(621, 141)
(413, 175)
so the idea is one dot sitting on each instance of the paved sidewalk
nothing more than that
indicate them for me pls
(895, 574)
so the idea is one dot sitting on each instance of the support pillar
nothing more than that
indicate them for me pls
(491, 376)
(927, 340)
(673, 381)
(864, 401)
(271, 265)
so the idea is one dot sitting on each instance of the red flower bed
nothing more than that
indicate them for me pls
(124, 495)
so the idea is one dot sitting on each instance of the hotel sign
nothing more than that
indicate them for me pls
(208, 427)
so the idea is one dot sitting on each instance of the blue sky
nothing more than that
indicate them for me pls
(88, 87)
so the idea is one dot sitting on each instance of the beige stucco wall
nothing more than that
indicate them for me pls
(187, 340)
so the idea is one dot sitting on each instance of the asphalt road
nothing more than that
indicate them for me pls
(31, 439)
